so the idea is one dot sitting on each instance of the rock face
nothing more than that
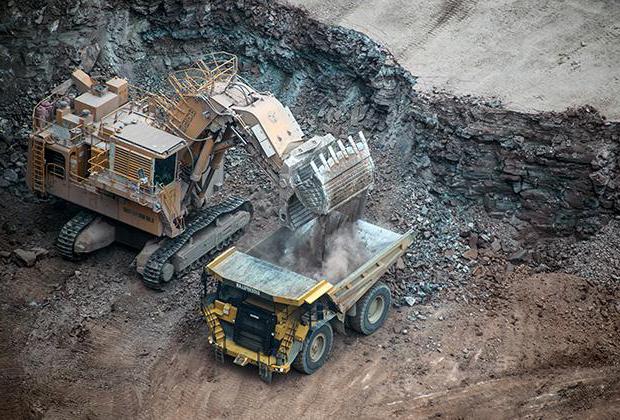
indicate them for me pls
(555, 172)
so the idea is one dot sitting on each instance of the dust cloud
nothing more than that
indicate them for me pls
(328, 248)
(344, 253)
(325, 251)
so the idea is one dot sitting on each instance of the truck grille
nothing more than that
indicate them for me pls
(254, 329)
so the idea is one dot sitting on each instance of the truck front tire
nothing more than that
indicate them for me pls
(316, 349)
(372, 309)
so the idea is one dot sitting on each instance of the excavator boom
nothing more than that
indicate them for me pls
(314, 176)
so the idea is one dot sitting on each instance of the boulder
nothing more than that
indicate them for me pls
(471, 254)
(10, 175)
(25, 258)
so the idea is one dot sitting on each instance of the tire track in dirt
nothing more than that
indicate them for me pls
(190, 383)
(499, 396)
(449, 12)
(185, 383)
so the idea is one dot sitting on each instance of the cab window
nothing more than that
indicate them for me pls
(165, 170)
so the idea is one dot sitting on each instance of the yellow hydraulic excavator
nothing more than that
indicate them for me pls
(144, 165)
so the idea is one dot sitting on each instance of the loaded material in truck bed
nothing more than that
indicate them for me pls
(285, 268)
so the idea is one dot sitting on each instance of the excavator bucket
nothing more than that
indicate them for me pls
(325, 173)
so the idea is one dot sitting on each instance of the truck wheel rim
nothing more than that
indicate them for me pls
(375, 310)
(317, 347)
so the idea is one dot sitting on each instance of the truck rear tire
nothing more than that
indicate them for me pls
(316, 349)
(372, 309)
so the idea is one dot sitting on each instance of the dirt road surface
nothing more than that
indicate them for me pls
(532, 55)
(87, 340)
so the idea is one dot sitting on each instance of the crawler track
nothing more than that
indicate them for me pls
(70, 231)
(152, 276)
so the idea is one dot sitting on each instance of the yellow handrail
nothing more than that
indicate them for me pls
(192, 82)
(96, 163)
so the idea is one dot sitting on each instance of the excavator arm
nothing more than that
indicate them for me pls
(214, 106)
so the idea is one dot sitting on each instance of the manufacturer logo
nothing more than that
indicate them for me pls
(247, 288)
(137, 214)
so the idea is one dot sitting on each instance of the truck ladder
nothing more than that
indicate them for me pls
(219, 354)
(217, 332)
(38, 164)
(287, 341)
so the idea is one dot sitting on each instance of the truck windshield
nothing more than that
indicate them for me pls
(231, 294)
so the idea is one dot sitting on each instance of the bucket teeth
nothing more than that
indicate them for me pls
(331, 174)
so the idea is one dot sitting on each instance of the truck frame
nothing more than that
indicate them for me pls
(273, 308)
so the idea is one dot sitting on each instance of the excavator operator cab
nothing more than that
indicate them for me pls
(165, 170)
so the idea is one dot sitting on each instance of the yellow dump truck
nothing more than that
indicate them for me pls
(277, 304)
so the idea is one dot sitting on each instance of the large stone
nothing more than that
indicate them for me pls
(471, 254)
(26, 258)
(39, 252)
(518, 256)
(88, 56)
(10, 175)
(410, 300)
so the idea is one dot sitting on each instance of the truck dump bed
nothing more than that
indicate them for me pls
(289, 267)
(265, 279)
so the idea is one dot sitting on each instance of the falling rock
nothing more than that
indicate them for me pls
(27, 258)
